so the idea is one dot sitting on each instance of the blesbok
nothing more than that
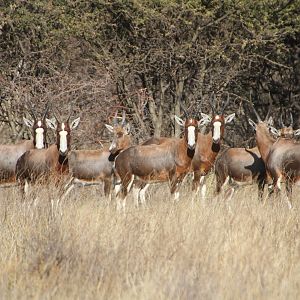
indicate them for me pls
(208, 145)
(36, 163)
(283, 164)
(237, 166)
(95, 166)
(242, 166)
(280, 156)
(166, 162)
(10, 153)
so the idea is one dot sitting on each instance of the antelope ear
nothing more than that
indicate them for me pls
(229, 118)
(75, 123)
(297, 132)
(179, 120)
(27, 122)
(51, 123)
(274, 131)
(109, 128)
(252, 123)
(127, 128)
(270, 121)
(205, 119)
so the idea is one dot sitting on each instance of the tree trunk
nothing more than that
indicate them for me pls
(178, 99)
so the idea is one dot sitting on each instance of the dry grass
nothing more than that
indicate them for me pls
(86, 249)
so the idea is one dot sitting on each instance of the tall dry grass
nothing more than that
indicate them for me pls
(85, 249)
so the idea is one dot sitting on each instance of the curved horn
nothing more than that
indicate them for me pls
(200, 104)
(212, 103)
(46, 111)
(32, 112)
(70, 112)
(270, 106)
(184, 110)
(123, 118)
(225, 105)
(281, 121)
(254, 110)
(115, 120)
(292, 121)
(57, 117)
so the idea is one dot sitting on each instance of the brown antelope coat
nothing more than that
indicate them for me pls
(94, 166)
(158, 163)
(38, 163)
(10, 153)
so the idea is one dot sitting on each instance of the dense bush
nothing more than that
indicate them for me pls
(147, 57)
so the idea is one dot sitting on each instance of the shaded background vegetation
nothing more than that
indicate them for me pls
(145, 57)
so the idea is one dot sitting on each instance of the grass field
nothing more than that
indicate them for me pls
(209, 249)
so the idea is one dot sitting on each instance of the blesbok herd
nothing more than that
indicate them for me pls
(126, 166)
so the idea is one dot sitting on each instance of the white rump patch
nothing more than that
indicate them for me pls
(63, 139)
(217, 130)
(39, 138)
(191, 136)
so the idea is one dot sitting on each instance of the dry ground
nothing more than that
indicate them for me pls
(85, 249)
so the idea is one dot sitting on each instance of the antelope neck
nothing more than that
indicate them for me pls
(264, 142)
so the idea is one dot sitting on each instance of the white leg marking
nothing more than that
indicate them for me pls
(203, 187)
(279, 183)
(143, 193)
(203, 191)
(117, 189)
(136, 195)
(290, 206)
(225, 182)
(26, 187)
(130, 184)
(176, 196)
(124, 204)
(231, 194)
(202, 178)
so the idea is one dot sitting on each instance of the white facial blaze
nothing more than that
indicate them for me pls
(39, 138)
(191, 136)
(63, 139)
(217, 130)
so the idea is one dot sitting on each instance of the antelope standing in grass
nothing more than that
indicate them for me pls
(237, 166)
(208, 145)
(281, 157)
(240, 166)
(167, 162)
(10, 153)
(37, 163)
(95, 166)
(283, 164)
